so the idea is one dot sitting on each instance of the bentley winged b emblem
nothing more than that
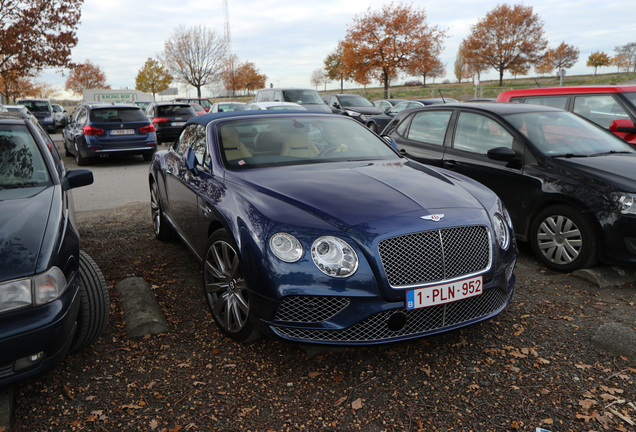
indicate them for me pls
(433, 217)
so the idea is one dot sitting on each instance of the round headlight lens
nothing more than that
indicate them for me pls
(286, 247)
(501, 231)
(334, 257)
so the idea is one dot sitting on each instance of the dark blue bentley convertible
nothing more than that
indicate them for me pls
(311, 228)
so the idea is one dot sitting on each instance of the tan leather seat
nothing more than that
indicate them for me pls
(232, 145)
(299, 145)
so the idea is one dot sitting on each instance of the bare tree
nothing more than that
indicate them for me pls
(317, 77)
(194, 55)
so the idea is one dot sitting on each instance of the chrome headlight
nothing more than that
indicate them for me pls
(37, 290)
(626, 202)
(286, 247)
(501, 231)
(334, 257)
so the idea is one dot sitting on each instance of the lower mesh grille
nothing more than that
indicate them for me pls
(310, 309)
(422, 320)
(6, 370)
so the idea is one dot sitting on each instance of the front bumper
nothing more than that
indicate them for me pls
(48, 328)
(378, 322)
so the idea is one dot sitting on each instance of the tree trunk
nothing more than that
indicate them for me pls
(424, 79)
(341, 85)
(501, 72)
(199, 92)
(386, 85)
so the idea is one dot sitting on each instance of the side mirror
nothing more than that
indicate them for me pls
(75, 178)
(390, 141)
(388, 110)
(190, 160)
(336, 105)
(503, 154)
(622, 125)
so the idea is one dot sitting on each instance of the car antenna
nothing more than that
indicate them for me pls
(440, 92)
(538, 85)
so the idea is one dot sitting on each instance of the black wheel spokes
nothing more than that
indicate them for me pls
(156, 211)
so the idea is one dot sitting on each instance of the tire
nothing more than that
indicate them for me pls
(226, 290)
(94, 304)
(81, 160)
(563, 239)
(66, 151)
(163, 231)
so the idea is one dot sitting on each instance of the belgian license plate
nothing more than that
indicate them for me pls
(444, 293)
(178, 123)
(122, 132)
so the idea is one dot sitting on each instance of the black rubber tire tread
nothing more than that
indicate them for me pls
(94, 304)
(249, 333)
(66, 151)
(589, 253)
(81, 160)
(166, 232)
(147, 156)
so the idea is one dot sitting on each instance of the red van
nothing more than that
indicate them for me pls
(612, 107)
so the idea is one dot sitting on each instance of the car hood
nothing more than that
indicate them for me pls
(23, 221)
(615, 169)
(365, 110)
(346, 194)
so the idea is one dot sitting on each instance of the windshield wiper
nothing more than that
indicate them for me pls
(569, 155)
(612, 152)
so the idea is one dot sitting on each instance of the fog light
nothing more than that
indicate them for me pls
(28, 361)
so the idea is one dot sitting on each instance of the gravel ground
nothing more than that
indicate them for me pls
(531, 366)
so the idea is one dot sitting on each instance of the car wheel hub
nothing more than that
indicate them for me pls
(559, 239)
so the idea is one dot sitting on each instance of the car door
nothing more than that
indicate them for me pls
(75, 129)
(421, 135)
(181, 187)
(474, 135)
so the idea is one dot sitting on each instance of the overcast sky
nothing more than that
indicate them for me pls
(288, 39)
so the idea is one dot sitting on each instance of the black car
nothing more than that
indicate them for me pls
(377, 123)
(53, 297)
(352, 105)
(568, 184)
(101, 130)
(169, 118)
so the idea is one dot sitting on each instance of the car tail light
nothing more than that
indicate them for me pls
(147, 129)
(90, 130)
(159, 120)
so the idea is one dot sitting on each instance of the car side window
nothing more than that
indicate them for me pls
(81, 117)
(399, 107)
(429, 127)
(198, 143)
(185, 139)
(403, 127)
(478, 134)
(278, 96)
(601, 109)
(553, 101)
(334, 102)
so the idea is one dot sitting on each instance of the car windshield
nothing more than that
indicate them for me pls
(36, 106)
(21, 163)
(354, 101)
(231, 107)
(142, 105)
(204, 103)
(175, 110)
(302, 97)
(275, 141)
(563, 134)
(197, 107)
(112, 115)
(286, 107)
(56, 108)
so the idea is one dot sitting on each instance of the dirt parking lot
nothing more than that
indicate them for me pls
(532, 366)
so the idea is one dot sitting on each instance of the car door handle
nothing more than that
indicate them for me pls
(450, 163)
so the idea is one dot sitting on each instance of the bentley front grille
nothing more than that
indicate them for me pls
(437, 255)
(310, 309)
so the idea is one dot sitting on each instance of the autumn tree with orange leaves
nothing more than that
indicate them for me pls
(598, 59)
(508, 38)
(384, 43)
(85, 76)
(35, 35)
(237, 75)
(562, 57)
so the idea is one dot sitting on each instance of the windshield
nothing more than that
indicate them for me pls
(302, 96)
(631, 97)
(354, 101)
(36, 106)
(175, 110)
(272, 141)
(224, 107)
(111, 115)
(21, 163)
(565, 134)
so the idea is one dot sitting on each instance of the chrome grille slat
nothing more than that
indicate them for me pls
(422, 320)
(310, 309)
(434, 256)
